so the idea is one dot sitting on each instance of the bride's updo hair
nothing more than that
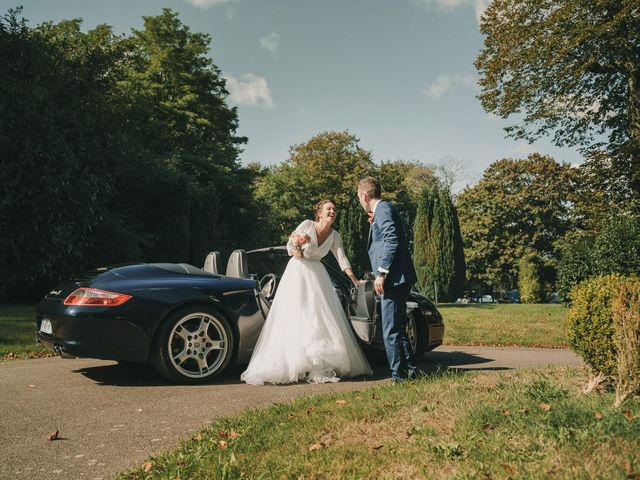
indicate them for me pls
(318, 207)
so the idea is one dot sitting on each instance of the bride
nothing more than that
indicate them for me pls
(307, 335)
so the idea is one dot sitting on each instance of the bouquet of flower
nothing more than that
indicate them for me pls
(299, 240)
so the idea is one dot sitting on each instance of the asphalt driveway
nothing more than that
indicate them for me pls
(111, 418)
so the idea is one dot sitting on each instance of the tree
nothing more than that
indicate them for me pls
(354, 230)
(600, 193)
(140, 163)
(518, 206)
(402, 183)
(438, 250)
(329, 165)
(567, 67)
(179, 111)
(59, 150)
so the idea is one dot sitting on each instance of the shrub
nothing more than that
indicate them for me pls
(626, 326)
(590, 324)
(529, 279)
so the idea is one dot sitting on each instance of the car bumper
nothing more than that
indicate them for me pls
(84, 335)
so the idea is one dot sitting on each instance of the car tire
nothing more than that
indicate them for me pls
(416, 333)
(195, 344)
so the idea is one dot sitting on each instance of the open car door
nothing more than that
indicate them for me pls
(364, 312)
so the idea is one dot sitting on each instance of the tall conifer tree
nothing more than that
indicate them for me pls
(354, 230)
(438, 252)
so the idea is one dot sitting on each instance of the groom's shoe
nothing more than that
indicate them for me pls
(397, 381)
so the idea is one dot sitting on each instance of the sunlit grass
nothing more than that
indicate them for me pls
(524, 424)
(534, 325)
(18, 333)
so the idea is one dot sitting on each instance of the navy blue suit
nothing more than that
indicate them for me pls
(389, 249)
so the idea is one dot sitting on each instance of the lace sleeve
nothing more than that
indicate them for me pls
(302, 228)
(338, 251)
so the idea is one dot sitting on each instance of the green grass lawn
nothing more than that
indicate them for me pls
(18, 333)
(533, 424)
(531, 325)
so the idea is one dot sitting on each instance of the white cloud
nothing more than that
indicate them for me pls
(444, 83)
(270, 42)
(249, 90)
(206, 3)
(478, 6)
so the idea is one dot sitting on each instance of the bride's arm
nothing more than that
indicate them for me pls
(338, 251)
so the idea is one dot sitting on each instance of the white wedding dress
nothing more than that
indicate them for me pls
(307, 335)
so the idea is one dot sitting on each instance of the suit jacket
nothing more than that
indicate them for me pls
(388, 246)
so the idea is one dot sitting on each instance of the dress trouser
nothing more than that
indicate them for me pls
(393, 304)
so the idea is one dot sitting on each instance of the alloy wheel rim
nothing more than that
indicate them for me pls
(198, 345)
(411, 333)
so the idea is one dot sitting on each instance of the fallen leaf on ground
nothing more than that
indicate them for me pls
(545, 406)
(233, 434)
(147, 466)
(628, 414)
(316, 446)
(598, 415)
(309, 410)
(377, 447)
(341, 402)
(505, 412)
(53, 435)
(198, 437)
(222, 444)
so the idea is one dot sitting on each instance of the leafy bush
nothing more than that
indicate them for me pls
(529, 281)
(626, 326)
(590, 323)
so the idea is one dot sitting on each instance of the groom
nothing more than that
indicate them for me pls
(391, 261)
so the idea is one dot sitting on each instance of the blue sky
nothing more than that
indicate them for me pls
(398, 74)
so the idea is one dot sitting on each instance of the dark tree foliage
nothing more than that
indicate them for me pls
(58, 150)
(438, 249)
(354, 230)
(114, 149)
(616, 249)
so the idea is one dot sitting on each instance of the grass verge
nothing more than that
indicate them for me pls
(524, 424)
(18, 333)
(527, 325)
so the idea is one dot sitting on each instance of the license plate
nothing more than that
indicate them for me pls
(45, 326)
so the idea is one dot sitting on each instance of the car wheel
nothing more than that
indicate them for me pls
(195, 345)
(416, 333)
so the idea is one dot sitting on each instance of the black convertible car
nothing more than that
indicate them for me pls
(191, 323)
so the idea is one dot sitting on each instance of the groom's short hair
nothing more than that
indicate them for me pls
(371, 186)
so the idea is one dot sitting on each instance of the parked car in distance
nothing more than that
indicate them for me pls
(191, 324)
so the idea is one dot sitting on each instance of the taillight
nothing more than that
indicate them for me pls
(93, 296)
